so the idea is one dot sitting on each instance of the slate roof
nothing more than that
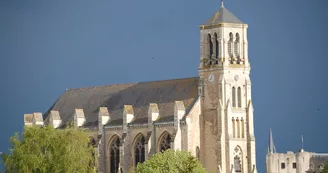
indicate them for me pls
(114, 97)
(223, 16)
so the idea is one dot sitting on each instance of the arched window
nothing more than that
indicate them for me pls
(165, 142)
(233, 128)
(197, 153)
(242, 128)
(114, 155)
(230, 44)
(238, 128)
(139, 150)
(210, 45)
(239, 97)
(237, 164)
(236, 46)
(216, 48)
(233, 97)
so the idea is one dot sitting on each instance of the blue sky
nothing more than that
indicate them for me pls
(48, 46)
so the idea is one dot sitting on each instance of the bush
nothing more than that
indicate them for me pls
(171, 161)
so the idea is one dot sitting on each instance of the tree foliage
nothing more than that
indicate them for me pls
(46, 149)
(171, 161)
(325, 169)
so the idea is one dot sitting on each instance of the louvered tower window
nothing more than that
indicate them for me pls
(230, 44)
(236, 46)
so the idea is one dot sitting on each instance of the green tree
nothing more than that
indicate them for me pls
(46, 149)
(171, 161)
(325, 169)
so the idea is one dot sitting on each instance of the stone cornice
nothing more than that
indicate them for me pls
(203, 27)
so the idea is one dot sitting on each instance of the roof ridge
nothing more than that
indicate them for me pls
(99, 86)
(169, 80)
(132, 83)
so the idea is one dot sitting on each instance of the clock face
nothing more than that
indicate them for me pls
(236, 77)
(211, 77)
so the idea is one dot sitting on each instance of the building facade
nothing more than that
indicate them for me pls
(290, 162)
(210, 115)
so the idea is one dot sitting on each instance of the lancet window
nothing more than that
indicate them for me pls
(239, 97)
(115, 155)
(233, 97)
(238, 128)
(165, 142)
(210, 45)
(197, 152)
(139, 150)
(237, 164)
(217, 48)
(236, 46)
(230, 44)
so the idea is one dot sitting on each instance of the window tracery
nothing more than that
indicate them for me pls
(237, 164)
(115, 155)
(165, 142)
(139, 150)
(238, 159)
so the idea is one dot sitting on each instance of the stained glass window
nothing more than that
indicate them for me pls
(115, 155)
(139, 150)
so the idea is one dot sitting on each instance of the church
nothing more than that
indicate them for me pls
(210, 115)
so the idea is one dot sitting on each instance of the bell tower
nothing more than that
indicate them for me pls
(226, 120)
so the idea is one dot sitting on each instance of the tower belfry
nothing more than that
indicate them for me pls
(227, 124)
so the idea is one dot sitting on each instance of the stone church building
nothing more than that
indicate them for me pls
(210, 115)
